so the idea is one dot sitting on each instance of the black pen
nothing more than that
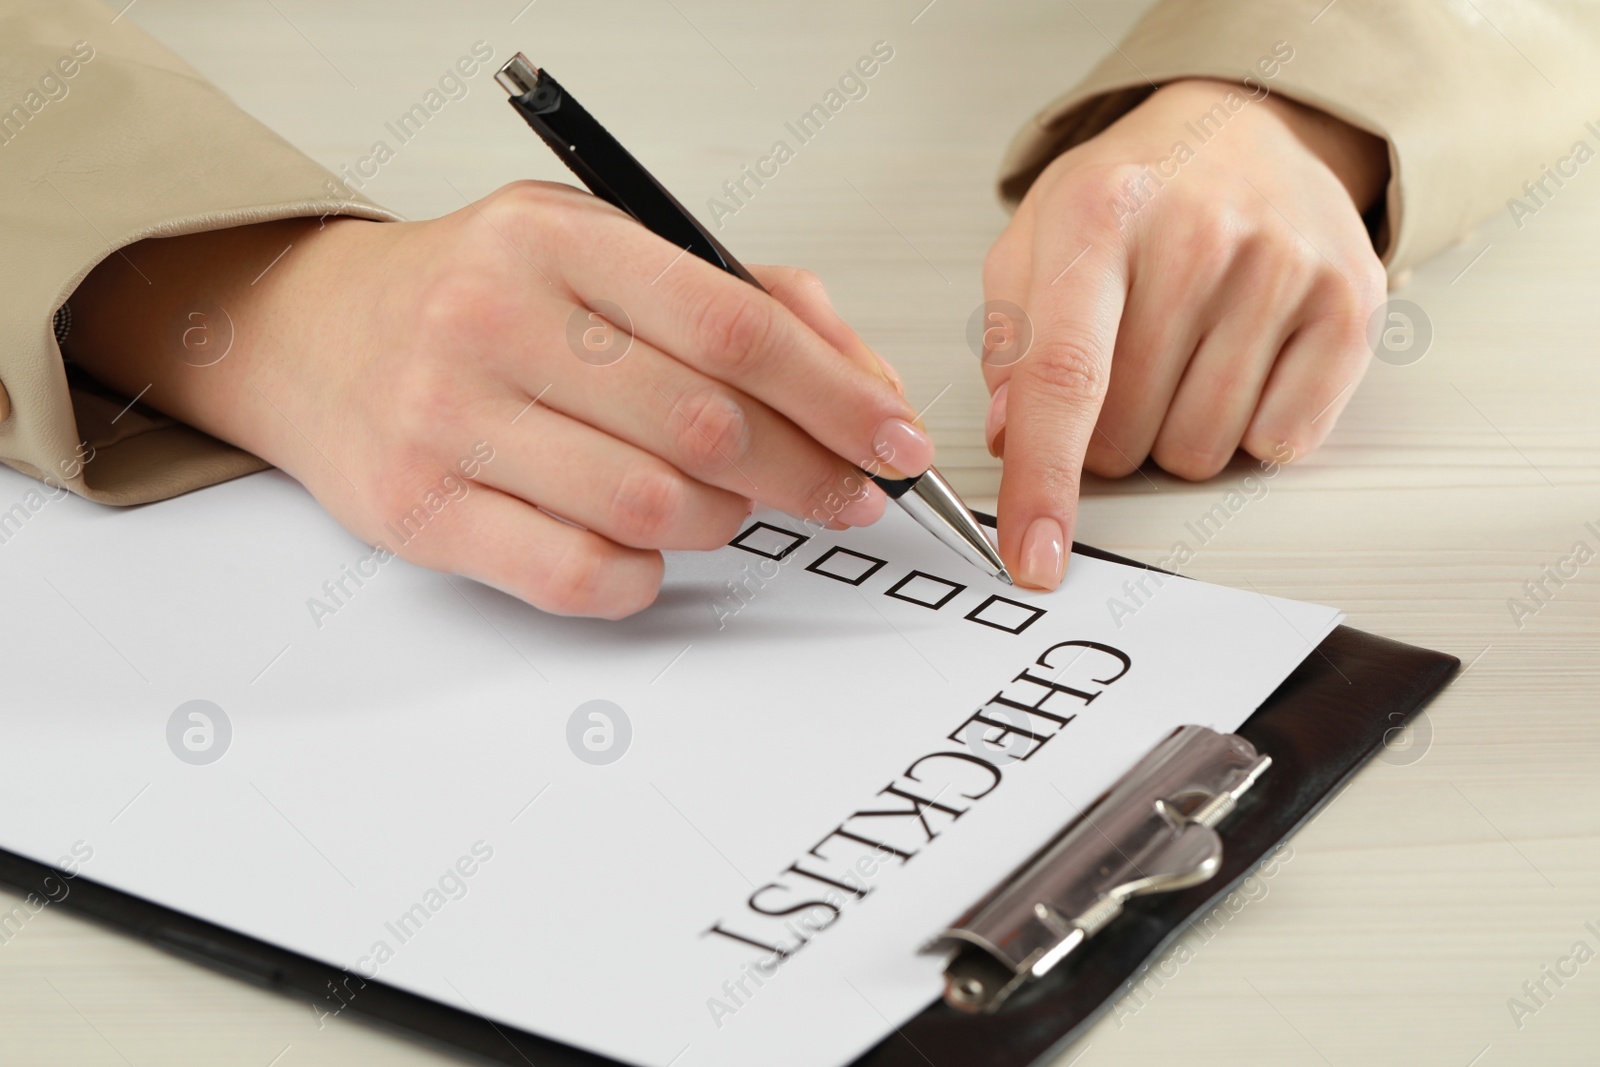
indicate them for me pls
(612, 174)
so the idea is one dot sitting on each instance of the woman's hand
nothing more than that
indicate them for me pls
(459, 391)
(1186, 298)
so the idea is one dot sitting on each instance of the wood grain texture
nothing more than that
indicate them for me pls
(1439, 882)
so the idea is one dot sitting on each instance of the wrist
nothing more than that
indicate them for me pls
(198, 324)
(1358, 159)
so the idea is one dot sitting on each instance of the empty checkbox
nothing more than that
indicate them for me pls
(925, 590)
(844, 565)
(768, 542)
(1007, 615)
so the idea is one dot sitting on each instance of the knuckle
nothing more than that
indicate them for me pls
(1127, 190)
(1291, 430)
(803, 280)
(1049, 478)
(797, 287)
(424, 403)
(529, 196)
(447, 308)
(409, 509)
(1349, 350)
(402, 508)
(594, 582)
(1235, 381)
(1269, 442)
(1192, 461)
(461, 314)
(511, 206)
(393, 493)
(576, 585)
(638, 598)
(1068, 369)
(827, 496)
(716, 520)
(1119, 179)
(710, 432)
(1298, 255)
(1210, 239)
(410, 415)
(546, 214)
(723, 528)
(646, 506)
(1107, 464)
(995, 262)
(1275, 250)
(1346, 302)
(1214, 228)
(1368, 286)
(1109, 460)
(565, 231)
(1288, 440)
(1287, 247)
(999, 260)
(518, 194)
(736, 329)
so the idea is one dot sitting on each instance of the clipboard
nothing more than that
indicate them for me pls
(1327, 719)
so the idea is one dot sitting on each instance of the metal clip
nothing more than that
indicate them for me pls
(1152, 833)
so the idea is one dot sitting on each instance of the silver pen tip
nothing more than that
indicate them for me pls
(1005, 576)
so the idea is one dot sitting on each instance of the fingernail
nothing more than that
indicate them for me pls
(1043, 555)
(995, 422)
(866, 509)
(997, 447)
(903, 447)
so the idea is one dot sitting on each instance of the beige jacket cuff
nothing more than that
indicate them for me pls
(107, 138)
(1468, 116)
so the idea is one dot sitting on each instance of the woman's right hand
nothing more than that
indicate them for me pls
(447, 388)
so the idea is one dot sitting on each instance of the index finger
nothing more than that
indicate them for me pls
(1054, 398)
(803, 293)
(731, 331)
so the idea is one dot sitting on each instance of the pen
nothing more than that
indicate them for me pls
(612, 174)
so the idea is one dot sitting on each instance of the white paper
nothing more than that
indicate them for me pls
(416, 728)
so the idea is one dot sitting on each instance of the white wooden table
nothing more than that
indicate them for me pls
(1430, 891)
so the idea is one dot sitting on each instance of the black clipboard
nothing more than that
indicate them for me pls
(1328, 718)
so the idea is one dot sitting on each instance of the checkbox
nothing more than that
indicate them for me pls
(1007, 615)
(768, 542)
(844, 565)
(924, 590)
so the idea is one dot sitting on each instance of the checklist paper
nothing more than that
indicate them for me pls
(717, 833)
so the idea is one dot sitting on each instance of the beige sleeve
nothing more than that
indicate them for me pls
(1474, 97)
(107, 138)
